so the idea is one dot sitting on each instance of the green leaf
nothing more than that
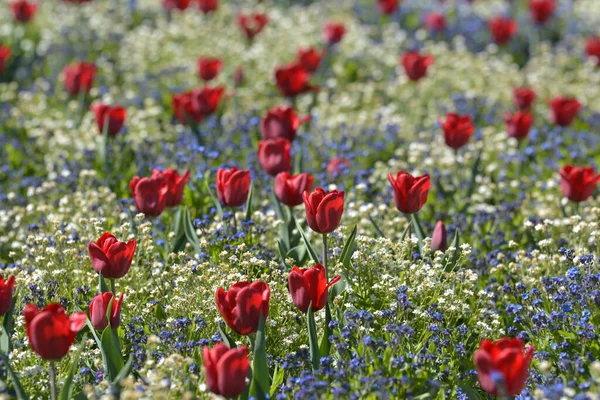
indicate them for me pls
(214, 198)
(67, 389)
(228, 340)
(102, 287)
(456, 244)
(124, 371)
(159, 312)
(79, 396)
(190, 231)
(277, 380)
(7, 327)
(474, 173)
(348, 248)
(378, 231)
(325, 345)
(298, 253)
(282, 253)
(312, 338)
(276, 205)
(112, 352)
(309, 248)
(414, 219)
(339, 287)
(246, 394)
(21, 395)
(406, 233)
(260, 367)
(249, 202)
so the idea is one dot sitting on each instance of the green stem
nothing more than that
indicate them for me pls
(112, 287)
(52, 373)
(325, 256)
(235, 222)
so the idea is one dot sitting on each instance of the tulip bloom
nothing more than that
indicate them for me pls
(205, 101)
(310, 59)
(274, 155)
(176, 185)
(183, 110)
(78, 78)
(387, 6)
(5, 53)
(592, 48)
(333, 33)
(176, 4)
(233, 186)
(290, 188)
(457, 130)
(226, 369)
(292, 80)
(115, 115)
(281, 122)
(252, 24)
(23, 11)
(207, 6)
(99, 309)
(541, 10)
(6, 293)
(242, 305)
(323, 210)
(518, 124)
(50, 331)
(502, 29)
(563, 110)
(502, 366)
(111, 258)
(308, 286)
(415, 65)
(435, 21)
(578, 183)
(523, 98)
(410, 193)
(439, 240)
(149, 194)
(209, 68)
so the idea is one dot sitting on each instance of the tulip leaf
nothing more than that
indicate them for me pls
(190, 231)
(7, 327)
(299, 254)
(260, 367)
(455, 243)
(214, 198)
(159, 312)
(228, 340)
(21, 395)
(309, 248)
(249, 202)
(277, 380)
(110, 347)
(67, 389)
(414, 219)
(339, 287)
(282, 253)
(276, 205)
(246, 394)
(378, 231)
(312, 338)
(406, 233)
(126, 370)
(348, 249)
(474, 172)
(325, 345)
(102, 286)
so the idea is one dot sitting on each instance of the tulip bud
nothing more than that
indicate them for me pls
(99, 308)
(226, 369)
(292, 80)
(289, 188)
(415, 65)
(324, 210)
(114, 115)
(308, 286)
(149, 194)
(333, 33)
(281, 122)
(502, 29)
(79, 77)
(410, 193)
(563, 110)
(209, 68)
(6, 293)
(435, 21)
(523, 98)
(578, 183)
(310, 59)
(541, 10)
(233, 186)
(243, 304)
(457, 130)
(518, 124)
(23, 11)
(252, 24)
(438, 239)
(274, 155)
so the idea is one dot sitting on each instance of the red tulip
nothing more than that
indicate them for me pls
(457, 130)
(309, 287)
(6, 293)
(336, 166)
(387, 6)
(310, 59)
(115, 115)
(183, 110)
(592, 48)
(415, 65)
(205, 101)
(252, 24)
(502, 366)
(333, 33)
(290, 188)
(176, 4)
(23, 11)
(292, 80)
(5, 53)
(518, 124)
(207, 6)
(502, 29)
(578, 183)
(563, 110)
(79, 77)
(435, 21)
(209, 68)
(281, 122)
(274, 155)
(149, 194)
(176, 185)
(111, 258)
(523, 97)
(99, 310)
(410, 193)
(226, 369)
(323, 210)
(439, 239)
(541, 10)
(50, 331)
(233, 186)
(242, 305)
